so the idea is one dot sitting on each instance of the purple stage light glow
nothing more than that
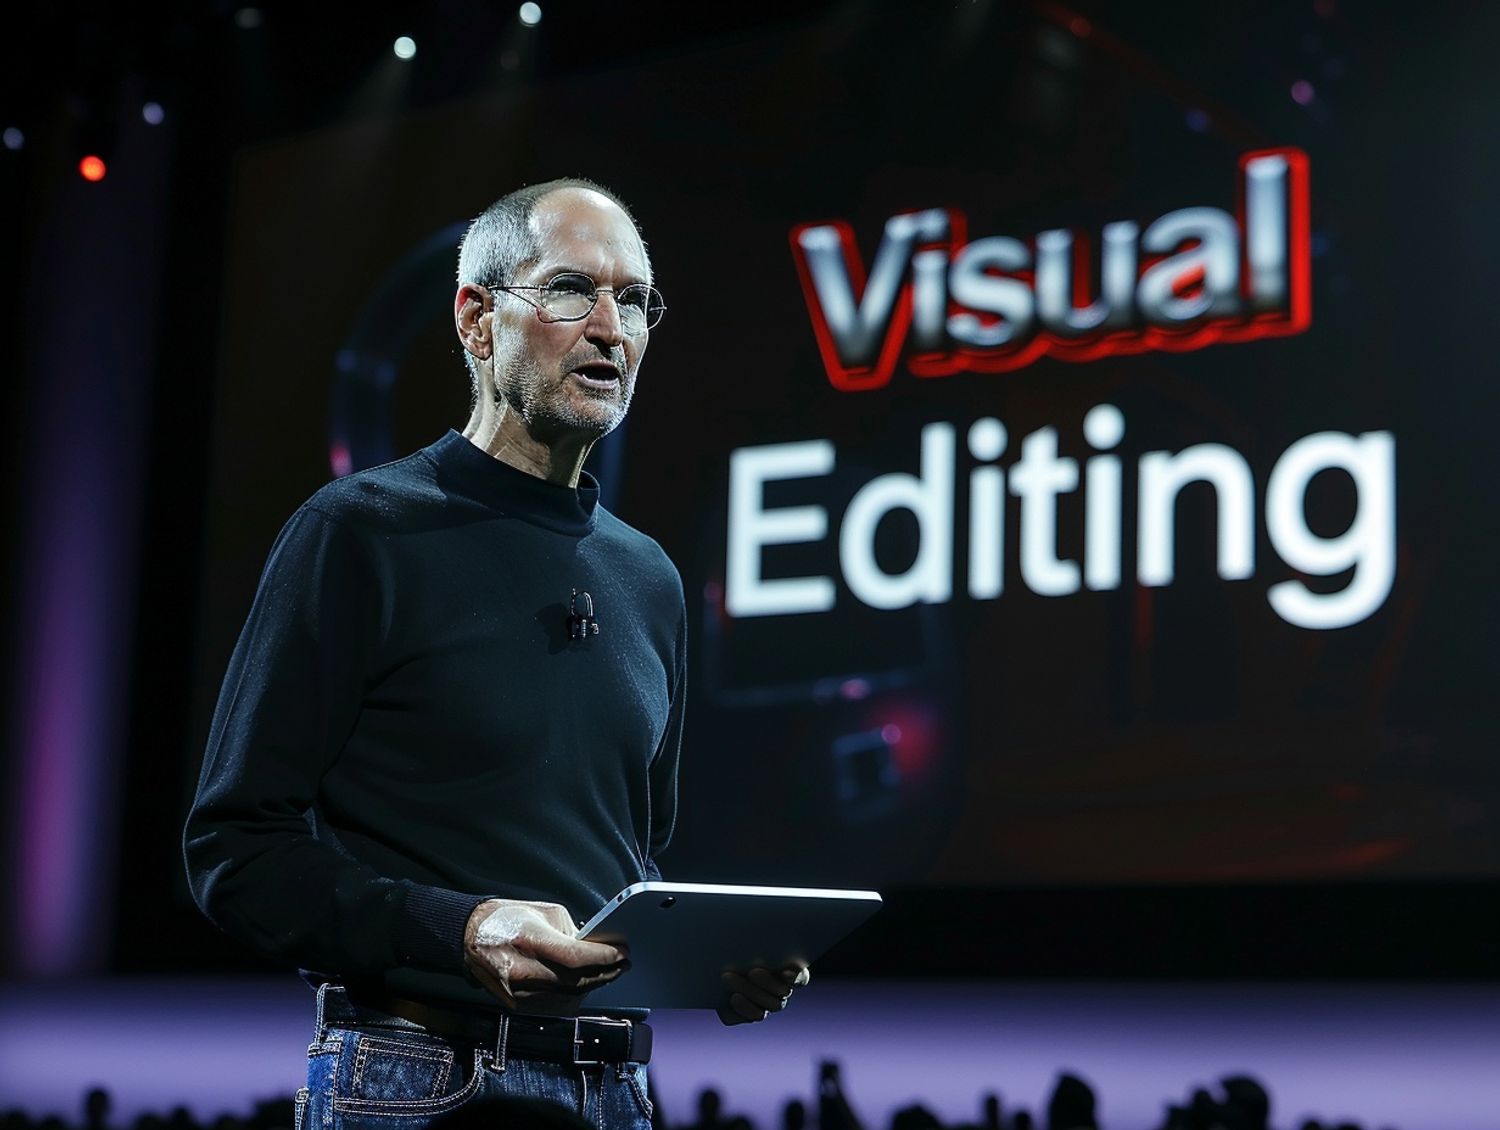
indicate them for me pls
(59, 802)
(88, 387)
(1406, 1056)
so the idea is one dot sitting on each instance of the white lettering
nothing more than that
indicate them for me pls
(1038, 479)
(1103, 427)
(858, 326)
(928, 496)
(1267, 240)
(976, 288)
(987, 441)
(1368, 546)
(1215, 255)
(752, 528)
(1162, 477)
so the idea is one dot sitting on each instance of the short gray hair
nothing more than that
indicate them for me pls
(500, 241)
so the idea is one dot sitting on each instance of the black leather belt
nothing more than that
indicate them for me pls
(552, 1039)
(581, 1039)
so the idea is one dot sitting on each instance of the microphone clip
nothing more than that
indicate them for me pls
(582, 625)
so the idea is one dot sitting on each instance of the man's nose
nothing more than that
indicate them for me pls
(603, 324)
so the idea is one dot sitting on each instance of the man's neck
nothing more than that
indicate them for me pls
(501, 434)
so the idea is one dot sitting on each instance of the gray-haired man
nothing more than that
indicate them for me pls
(420, 777)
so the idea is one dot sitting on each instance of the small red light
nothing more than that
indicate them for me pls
(91, 168)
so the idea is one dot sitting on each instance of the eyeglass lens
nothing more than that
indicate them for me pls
(572, 296)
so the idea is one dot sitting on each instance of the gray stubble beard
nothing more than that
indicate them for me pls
(519, 377)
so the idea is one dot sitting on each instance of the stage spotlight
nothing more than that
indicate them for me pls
(1302, 92)
(91, 168)
(14, 138)
(405, 47)
(247, 18)
(153, 114)
(531, 14)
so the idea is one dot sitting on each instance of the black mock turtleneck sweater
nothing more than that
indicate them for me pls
(406, 729)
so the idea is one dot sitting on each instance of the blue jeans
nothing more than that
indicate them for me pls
(368, 1070)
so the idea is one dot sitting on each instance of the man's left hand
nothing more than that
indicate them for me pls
(756, 993)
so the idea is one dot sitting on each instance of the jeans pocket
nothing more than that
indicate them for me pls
(402, 1073)
(399, 1068)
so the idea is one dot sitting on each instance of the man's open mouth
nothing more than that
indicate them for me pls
(597, 376)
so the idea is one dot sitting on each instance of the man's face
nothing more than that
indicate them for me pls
(571, 376)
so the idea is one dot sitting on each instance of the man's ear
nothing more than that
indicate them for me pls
(468, 319)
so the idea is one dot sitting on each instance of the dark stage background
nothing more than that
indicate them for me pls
(1155, 650)
(1182, 731)
(1034, 750)
(1145, 764)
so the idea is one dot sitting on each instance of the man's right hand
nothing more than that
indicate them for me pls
(530, 957)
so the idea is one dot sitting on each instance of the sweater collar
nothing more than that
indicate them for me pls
(468, 471)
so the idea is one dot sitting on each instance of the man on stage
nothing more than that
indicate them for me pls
(426, 768)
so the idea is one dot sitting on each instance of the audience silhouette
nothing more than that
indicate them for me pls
(1241, 1104)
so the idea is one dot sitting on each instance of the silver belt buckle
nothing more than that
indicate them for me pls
(578, 1040)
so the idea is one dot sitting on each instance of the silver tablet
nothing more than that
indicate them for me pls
(684, 936)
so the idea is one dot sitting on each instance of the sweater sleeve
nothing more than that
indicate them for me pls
(290, 698)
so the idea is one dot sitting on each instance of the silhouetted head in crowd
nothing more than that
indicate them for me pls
(993, 1111)
(915, 1117)
(1072, 1105)
(710, 1107)
(96, 1106)
(1247, 1106)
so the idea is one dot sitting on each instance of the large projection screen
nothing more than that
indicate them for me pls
(1075, 476)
